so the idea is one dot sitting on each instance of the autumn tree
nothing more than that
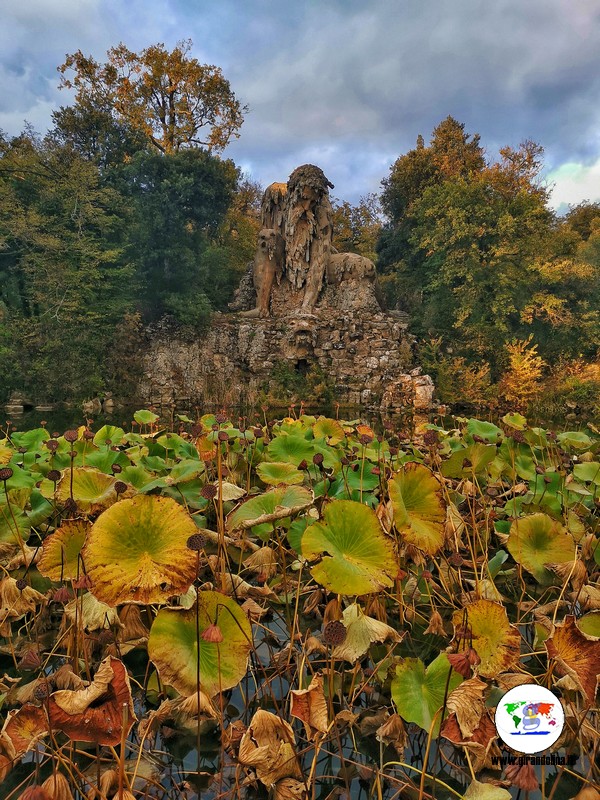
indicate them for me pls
(169, 97)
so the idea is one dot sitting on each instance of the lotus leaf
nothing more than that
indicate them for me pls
(176, 635)
(361, 632)
(468, 461)
(486, 430)
(92, 489)
(576, 654)
(588, 471)
(109, 435)
(60, 551)
(145, 417)
(270, 506)
(330, 430)
(290, 448)
(590, 623)
(418, 693)
(496, 641)
(275, 473)
(419, 507)
(137, 551)
(361, 558)
(536, 540)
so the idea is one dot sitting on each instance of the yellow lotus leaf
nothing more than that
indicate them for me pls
(137, 551)
(209, 642)
(496, 641)
(92, 490)
(419, 507)
(60, 551)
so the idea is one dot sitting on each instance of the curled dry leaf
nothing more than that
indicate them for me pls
(587, 793)
(290, 789)
(252, 610)
(481, 745)
(8, 755)
(310, 706)
(90, 613)
(588, 597)
(393, 731)
(523, 777)
(362, 631)
(15, 603)
(34, 793)
(508, 680)
(57, 787)
(262, 562)
(269, 747)
(576, 654)
(467, 702)
(97, 712)
(574, 571)
(436, 625)
(25, 726)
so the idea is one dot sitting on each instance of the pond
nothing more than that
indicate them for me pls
(298, 608)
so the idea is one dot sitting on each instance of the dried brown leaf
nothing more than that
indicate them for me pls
(576, 654)
(467, 702)
(269, 747)
(310, 706)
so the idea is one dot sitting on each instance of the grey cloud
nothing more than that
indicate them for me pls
(345, 83)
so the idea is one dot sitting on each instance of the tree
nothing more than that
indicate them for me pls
(172, 99)
(178, 203)
(356, 228)
(64, 282)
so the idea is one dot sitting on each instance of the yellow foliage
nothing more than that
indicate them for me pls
(521, 381)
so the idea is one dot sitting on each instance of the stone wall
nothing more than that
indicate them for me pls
(360, 354)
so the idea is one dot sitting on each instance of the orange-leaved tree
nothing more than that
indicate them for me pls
(169, 97)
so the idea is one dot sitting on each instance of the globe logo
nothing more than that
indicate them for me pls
(529, 718)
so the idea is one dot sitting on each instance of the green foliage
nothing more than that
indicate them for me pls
(475, 255)
(62, 269)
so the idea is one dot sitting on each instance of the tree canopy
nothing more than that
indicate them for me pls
(168, 97)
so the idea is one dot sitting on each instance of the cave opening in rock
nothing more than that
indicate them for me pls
(302, 366)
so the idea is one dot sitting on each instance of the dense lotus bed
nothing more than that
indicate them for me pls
(300, 609)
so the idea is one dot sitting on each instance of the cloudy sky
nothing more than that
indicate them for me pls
(344, 84)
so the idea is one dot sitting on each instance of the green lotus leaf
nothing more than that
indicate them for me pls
(467, 461)
(177, 633)
(330, 430)
(275, 473)
(361, 558)
(109, 435)
(270, 506)
(92, 489)
(487, 430)
(419, 507)
(419, 692)
(60, 551)
(537, 539)
(515, 420)
(137, 551)
(13, 524)
(590, 624)
(145, 417)
(577, 440)
(588, 471)
(31, 440)
(290, 448)
(496, 641)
